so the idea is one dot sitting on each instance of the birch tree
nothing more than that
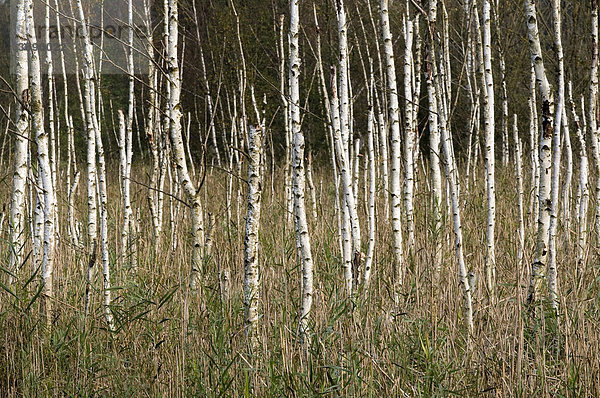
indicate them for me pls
(484, 52)
(534, 146)
(519, 172)
(583, 194)
(593, 110)
(44, 169)
(349, 204)
(91, 123)
(556, 151)
(394, 116)
(409, 132)
(437, 91)
(371, 204)
(303, 238)
(126, 145)
(104, 250)
(175, 134)
(154, 136)
(18, 193)
(434, 143)
(251, 242)
(539, 266)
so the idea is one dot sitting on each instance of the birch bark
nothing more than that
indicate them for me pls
(409, 134)
(251, 242)
(583, 194)
(539, 266)
(303, 237)
(556, 152)
(91, 123)
(21, 169)
(44, 169)
(394, 115)
(178, 150)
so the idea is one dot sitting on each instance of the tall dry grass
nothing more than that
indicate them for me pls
(172, 342)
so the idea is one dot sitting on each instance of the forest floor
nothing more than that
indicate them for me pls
(171, 341)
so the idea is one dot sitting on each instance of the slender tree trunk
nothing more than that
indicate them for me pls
(153, 135)
(289, 200)
(451, 177)
(394, 115)
(434, 145)
(436, 88)
(44, 169)
(251, 245)
(534, 150)
(409, 141)
(126, 148)
(303, 237)
(488, 110)
(104, 252)
(556, 152)
(349, 203)
(89, 95)
(593, 111)
(371, 204)
(53, 150)
(583, 193)
(539, 266)
(175, 133)
(18, 214)
(519, 172)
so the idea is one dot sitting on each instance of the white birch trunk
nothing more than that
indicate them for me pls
(451, 176)
(53, 150)
(539, 266)
(18, 193)
(434, 147)
(44, 169)
(104, 255)
(371, 204)
(489, 124)
(153, 136)
(436, 90)
(91, 123)
(311, 186)
(349, 204)
(556, 152)
(519, 172)
(303, 237)
(289, 200)
(409, 134)
(566, 186)
(534, 188)
(175, 133)
(383, 142)
(592, 114)
(127, 211)
(395, 190)
(251, 242)
(583, 193)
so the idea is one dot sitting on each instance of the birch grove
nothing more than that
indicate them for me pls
(157, 164)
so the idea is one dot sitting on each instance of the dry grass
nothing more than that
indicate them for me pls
(367, 348)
